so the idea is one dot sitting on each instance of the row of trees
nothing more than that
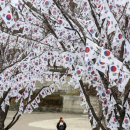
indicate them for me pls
(89, 38)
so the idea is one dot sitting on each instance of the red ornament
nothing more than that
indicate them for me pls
(126, 120)
(108, 23)
(87, 50)
(92, 72)
(102, 63)
(113, 69)
(60, 21)
(99, 6)
(107, 53)
(115, 120)
(46, 2)
(108, 91)
(105, 101)
(8, 16)
(110, 6)
(81, 49)
(67, 58)
(54, 12)
(95, 79)
(30, 19)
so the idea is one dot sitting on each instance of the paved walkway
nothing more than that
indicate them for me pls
(48, 121)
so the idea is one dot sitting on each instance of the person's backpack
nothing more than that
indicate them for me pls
(61, 127)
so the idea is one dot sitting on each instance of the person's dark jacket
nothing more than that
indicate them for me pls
(61, 128)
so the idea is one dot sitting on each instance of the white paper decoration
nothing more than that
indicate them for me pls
(7, 16)
(34, 104)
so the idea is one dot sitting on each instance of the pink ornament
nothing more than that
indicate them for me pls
(78, 71)
(120, 36)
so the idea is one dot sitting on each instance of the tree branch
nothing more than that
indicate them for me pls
(91, 107)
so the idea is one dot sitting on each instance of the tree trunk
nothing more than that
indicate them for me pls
(2, 119)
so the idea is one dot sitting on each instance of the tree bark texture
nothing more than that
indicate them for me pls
(2, 118)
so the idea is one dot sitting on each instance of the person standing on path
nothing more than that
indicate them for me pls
(61, 125)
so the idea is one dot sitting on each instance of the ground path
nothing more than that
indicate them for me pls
(48, 120)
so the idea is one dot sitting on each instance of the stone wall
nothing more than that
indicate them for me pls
(71, 104)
